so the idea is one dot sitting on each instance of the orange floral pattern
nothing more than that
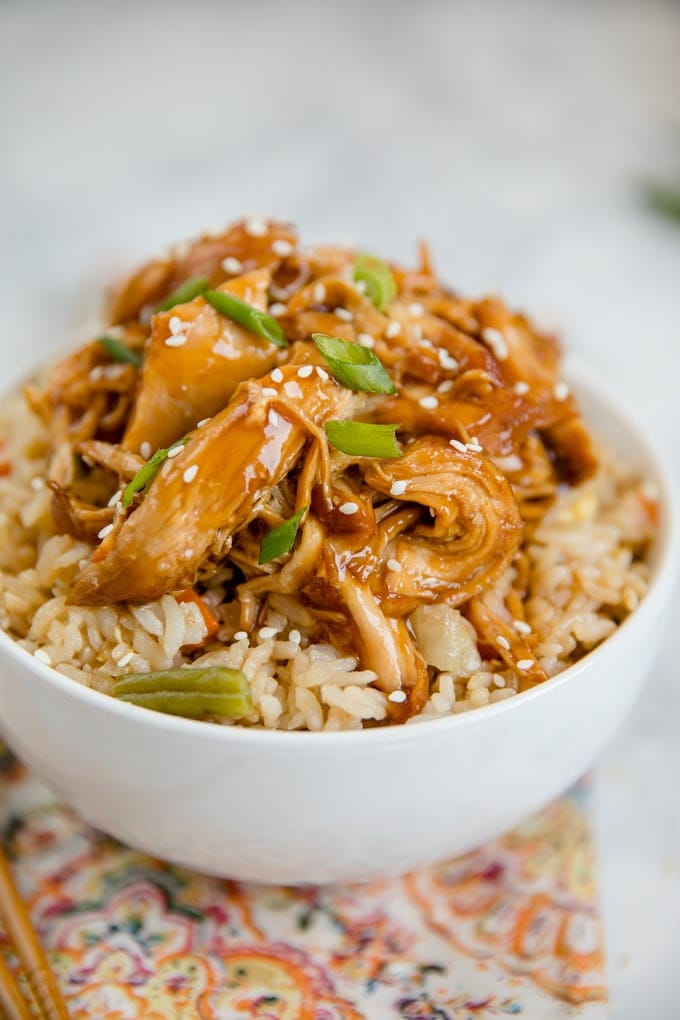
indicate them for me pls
(510, 930)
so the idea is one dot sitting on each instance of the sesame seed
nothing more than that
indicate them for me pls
(503, 642)
(282, 247)
(561, 391)
(424, 342)
(447, 361)
(394, 329)
(190, 473)
(115, 498)
(175, 451)
(255, 226)
(266, 633)
(175, 325)
(348, 508)
(125, 659)
(398, 488)
(429, 403)
(176, 341)
(106, 530)
(202, 422)
(322, 373)
(360, 285)
(416, 309)
(521, 388)
(290, 388)
(525, 664)
(430, 582)
(41, 655)
(416, 333)
(499, 681)
(319, 293)
(457, 445)
(496, 341)
(277, 375)
(521, 626)
(277, 308)
(295, 636)
(273, 418)
(473, 446)
(232, 265)
(485, 418)
(398, 697)
(305, 371)
(344, 314)
(446, 386)
(366, 340)
(394, 565)
(145, 449)
(240, 635)
(269, 391)
(37, 484)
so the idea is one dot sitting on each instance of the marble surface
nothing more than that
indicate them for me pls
(513, 137)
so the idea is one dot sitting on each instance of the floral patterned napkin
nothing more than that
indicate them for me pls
(509, 930)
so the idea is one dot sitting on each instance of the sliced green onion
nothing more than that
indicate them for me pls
(186, 291)
(359, 439)
(118, 351)
(247, 316)
(146, 473)
(280, 540)
(209, 690)
(381, 286)
(354, 366)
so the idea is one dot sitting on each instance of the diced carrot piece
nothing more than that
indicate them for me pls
(211, 622)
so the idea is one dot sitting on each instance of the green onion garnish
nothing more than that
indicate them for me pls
(186, 291)
(118, 351)
(247, 316)
(381, 286)
(354, 366)
(359, 439)
(280, 540)
(211, 690)
(146, 473)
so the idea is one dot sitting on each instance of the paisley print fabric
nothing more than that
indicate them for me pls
(509, 930)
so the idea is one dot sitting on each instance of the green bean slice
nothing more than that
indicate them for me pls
(209, 690)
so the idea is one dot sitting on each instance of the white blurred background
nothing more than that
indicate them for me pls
(512, 135)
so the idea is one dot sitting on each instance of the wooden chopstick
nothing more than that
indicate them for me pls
(31, 955)
(12, 1002)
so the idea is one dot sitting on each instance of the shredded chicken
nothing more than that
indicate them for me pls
(191, 373)
(469, 536)
(487, 432)
(194, 507)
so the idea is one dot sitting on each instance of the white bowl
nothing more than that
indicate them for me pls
(319, 807)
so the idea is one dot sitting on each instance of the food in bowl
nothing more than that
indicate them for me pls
(305, 489)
